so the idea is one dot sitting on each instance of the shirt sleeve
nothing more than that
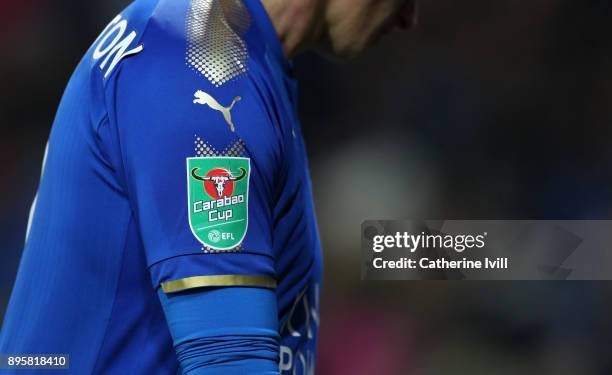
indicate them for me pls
(237, 334)
(200, 168)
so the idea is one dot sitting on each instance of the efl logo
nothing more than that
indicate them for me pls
(218, 200)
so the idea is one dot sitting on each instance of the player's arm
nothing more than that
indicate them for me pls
(176, 151)
(230, 330)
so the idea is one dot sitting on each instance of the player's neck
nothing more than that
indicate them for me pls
(296, 23)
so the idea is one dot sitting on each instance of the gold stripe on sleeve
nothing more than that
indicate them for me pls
(218, 280)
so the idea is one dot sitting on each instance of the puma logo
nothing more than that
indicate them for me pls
(204, 98)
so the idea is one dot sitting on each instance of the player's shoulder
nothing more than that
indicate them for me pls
(192, 76)
(159, 50)
(204, 37)
(121, 39)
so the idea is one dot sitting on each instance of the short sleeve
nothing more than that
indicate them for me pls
(200, 168)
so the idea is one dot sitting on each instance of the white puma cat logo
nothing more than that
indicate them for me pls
(204, 98)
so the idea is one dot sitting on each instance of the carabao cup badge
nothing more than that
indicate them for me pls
(218, 193)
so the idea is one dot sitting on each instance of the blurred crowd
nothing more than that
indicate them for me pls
(489, 110)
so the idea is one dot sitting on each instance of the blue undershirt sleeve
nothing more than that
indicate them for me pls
(229, 330)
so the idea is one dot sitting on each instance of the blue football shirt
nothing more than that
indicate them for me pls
(175, 161)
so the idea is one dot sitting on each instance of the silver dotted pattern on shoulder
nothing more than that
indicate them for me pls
(215, 47)
(204, 149)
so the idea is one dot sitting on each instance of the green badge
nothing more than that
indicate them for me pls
(218, 189)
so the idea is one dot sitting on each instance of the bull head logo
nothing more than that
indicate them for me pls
(219, 177)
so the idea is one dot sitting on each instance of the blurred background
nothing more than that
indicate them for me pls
(489, 110)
